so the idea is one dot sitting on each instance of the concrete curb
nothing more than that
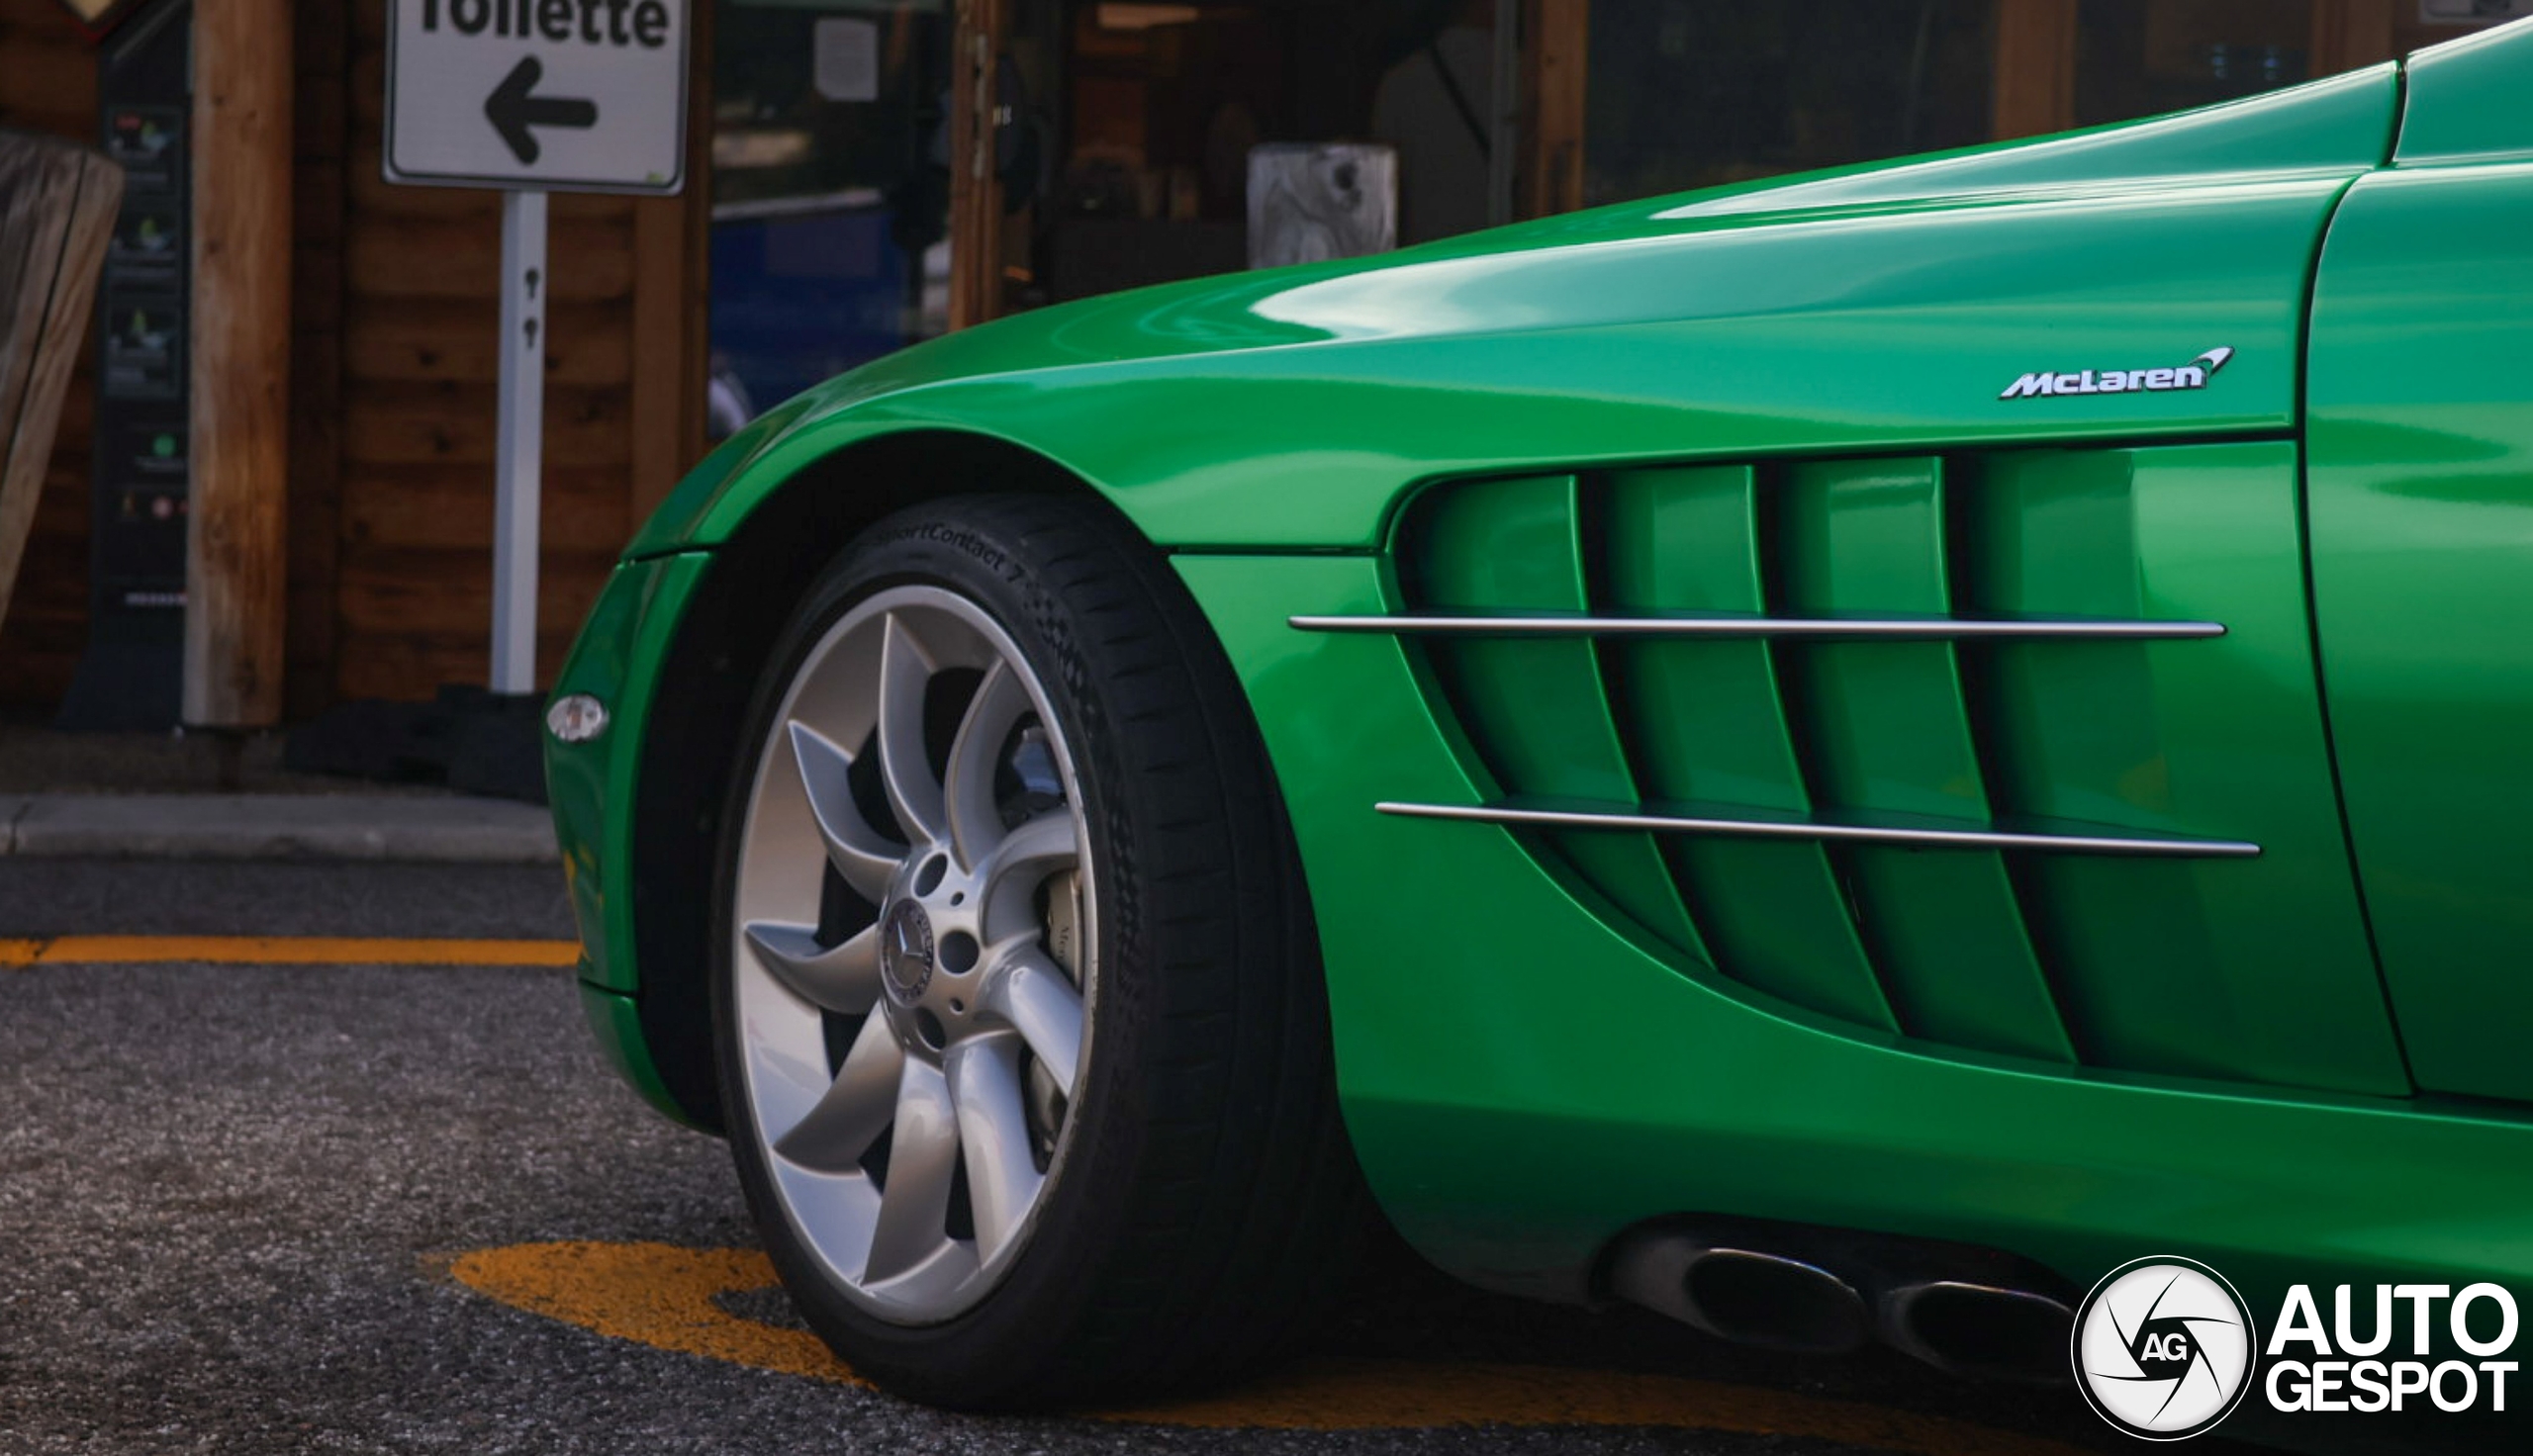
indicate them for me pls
(246, 826)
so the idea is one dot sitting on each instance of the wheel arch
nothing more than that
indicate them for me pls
(709, 674)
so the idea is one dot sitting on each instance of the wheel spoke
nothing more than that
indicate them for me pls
(858, 851)
(841, 977)
(913, 795)
(1020, 863)
(854, 1111)
(1032, 995)
(913, 1166)
(968, 796)
(993, 1136)
(923, 1155)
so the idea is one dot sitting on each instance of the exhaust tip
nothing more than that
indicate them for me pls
(1981, 1331)
(1742, 1294)
(1780, 1303)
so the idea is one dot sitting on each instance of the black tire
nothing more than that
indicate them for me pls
(1209, 1206)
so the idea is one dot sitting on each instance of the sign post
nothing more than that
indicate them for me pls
(531, 97)
(518, 442)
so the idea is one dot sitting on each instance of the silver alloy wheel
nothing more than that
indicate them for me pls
(913, 1151)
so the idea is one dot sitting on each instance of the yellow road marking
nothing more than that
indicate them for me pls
(666, 1297)
(284, 951)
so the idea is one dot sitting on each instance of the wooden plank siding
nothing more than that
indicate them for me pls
(48, 84)
(412, 522)
(322, 38)
(393, 318)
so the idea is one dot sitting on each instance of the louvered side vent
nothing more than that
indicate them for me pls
(2018, 754)
(1536, 706)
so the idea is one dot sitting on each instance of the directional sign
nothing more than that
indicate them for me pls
(550, 95)
(531, 96)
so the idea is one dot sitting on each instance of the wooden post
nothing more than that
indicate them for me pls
(237, 563)
(975, 189)
(2350, 34)
(2035, 86)
(666, 366)
(672, 339)
(58, 205)
(1555, 82)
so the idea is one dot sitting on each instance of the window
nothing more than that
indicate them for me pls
(1695, 93)
(829, 191)
(2145, 57)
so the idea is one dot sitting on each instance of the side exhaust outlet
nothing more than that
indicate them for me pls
(1980, 1329)
(1742, 1294)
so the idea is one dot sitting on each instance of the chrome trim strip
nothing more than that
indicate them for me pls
(1958, 839)
(1905, 628)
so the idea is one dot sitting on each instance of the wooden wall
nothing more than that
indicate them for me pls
(48, 84)
(391, 384)
(411, 526)
(323, 43)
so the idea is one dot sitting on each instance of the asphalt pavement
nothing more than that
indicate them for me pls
(366, 1207)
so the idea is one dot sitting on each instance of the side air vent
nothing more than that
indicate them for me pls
(2017, 753)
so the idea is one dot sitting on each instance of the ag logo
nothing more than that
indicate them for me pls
(2163, 1348)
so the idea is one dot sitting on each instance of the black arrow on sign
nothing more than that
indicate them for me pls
(511, 111)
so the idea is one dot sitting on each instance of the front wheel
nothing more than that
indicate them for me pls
(1019, 1013)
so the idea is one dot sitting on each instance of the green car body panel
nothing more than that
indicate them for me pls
(2421, 499)
(618, 660)
(2277, 1030)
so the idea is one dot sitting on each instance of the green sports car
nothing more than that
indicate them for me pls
(1836, 758)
